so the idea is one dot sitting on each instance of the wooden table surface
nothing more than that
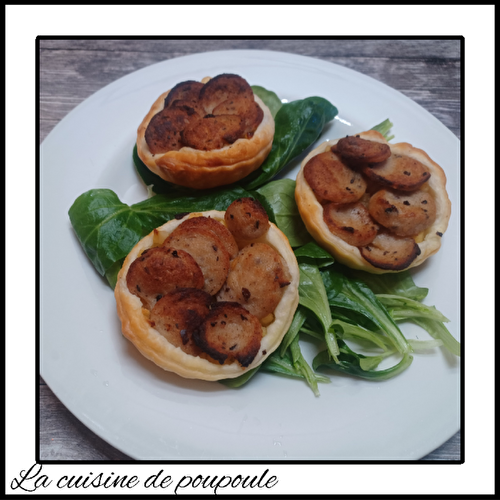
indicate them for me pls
(426, 71)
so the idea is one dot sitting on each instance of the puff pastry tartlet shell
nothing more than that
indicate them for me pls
(311, 210)
(155, 347)
(198, 169)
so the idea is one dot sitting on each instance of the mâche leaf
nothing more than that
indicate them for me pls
(293, 331)
(312, 294)
(401, 283)
(271, 100)
(312, 253)
(385, 129)
(353, 294)
(403, 307)
(281, 197)
(241, 380)
(360, 365)
(106, 228)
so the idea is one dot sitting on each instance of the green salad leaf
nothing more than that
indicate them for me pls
(312, 253)
(438, 331)
(312, 294)
(297, 322)
(401, 283)
(241, 380)
(281, 198)
(360, 365)
(106, 228)
(385, 128)
(402, 307)
(353, 294)
(271, 100)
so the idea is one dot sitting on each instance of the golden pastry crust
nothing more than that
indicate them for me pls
(207, 169)
(137, 328)
(429, 240)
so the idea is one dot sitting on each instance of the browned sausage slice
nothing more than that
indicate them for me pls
(357, 151)
(246, 108)
(221, 88)
(247, 219)
(186, 91)
(158, 271)
(177, 314)
(390, 252)
(217, 228)
(404, 214)
(257, 278)
(164, 130)
(331, 180)
(212, 132)
(207, 250)
(399, 172)
(351, 222)
(191, 108)
(229, 333)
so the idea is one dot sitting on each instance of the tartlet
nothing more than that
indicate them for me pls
(203, 169)
(136, 325)
(428, 242)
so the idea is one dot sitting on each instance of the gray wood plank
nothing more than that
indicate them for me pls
(427, 71)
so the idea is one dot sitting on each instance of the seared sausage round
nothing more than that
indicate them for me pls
(185, 91)
(331, 180)
(221, 88)
(158, 271)
(399, 172)
(177, 314)
(247, 219)
(229, 333)
(212, 132)
(246, 108)
(390, 252)
(256, 279)
(217, 228)
(163, 133)
(357, 151)
(207, 250)
(351, 222)
(404, 214)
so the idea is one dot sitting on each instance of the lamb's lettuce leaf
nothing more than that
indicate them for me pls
(355, 295)
(360, 365)
(402, 307)
(106, 228)
(281, 197)
(271, 100)
(385, 129)
(401, 283)
(297, 322)
(438, 331)
(312, 253)
(312, 294)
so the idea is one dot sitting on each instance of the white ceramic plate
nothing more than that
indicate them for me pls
(150, 414)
